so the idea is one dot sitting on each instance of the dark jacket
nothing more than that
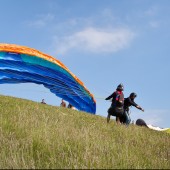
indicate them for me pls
(129, 102)
(117, 99)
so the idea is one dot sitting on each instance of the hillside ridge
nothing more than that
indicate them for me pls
(34, 135)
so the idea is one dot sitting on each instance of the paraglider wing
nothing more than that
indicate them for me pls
(20, 64)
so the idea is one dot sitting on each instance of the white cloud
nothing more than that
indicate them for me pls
(42, 21)
(96, 40)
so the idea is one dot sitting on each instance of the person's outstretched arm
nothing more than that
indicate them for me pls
(136, 105)
(139, 108)
(111, 96)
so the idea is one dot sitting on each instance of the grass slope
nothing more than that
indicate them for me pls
(168, 130)
(33, 135)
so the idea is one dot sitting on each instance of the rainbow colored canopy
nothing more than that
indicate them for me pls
(20, 64)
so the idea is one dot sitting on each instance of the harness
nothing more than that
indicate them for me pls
(116, 99)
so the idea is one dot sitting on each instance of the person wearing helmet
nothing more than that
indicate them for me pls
(127, 103)
(116, 108)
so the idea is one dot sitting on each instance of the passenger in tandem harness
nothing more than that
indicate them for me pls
(116, 108)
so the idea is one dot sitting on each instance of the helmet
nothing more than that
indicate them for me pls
(120, 87)
(133, 95)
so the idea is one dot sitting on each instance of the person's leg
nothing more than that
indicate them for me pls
(119, 115)
(108, 118)
(118, 120)
(122, 119)
(128, 120)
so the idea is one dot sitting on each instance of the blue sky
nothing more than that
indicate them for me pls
(103, 42)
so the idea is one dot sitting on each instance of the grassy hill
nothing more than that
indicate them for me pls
(33, 135)
(168, 130)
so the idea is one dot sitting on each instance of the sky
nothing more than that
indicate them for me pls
(103, 42)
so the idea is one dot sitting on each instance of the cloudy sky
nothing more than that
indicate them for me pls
(103, 42)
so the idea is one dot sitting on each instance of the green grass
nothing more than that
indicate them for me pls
(33, 135)
(168, 130)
